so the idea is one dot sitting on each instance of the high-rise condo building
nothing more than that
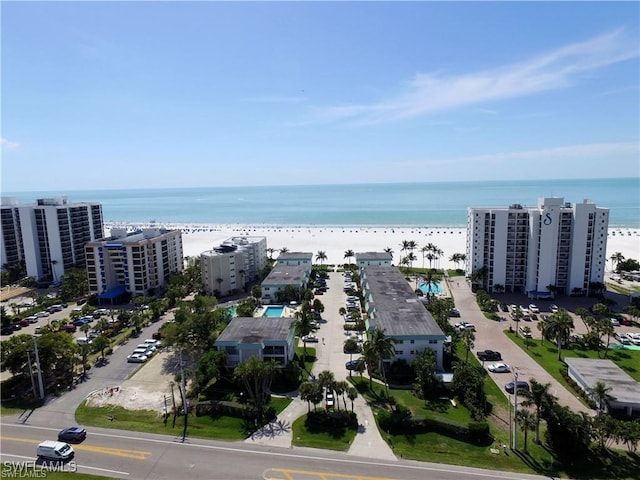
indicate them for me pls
(47, 237)
(137, 262)
(552, 247)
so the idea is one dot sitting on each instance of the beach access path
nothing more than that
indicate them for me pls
(329, 356)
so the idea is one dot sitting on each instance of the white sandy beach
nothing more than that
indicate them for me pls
(336, 240)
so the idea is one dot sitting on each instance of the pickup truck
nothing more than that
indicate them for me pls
(491, 355)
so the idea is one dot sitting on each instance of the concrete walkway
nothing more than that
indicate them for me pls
(329, 356)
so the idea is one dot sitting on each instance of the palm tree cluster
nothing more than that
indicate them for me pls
(376, 349)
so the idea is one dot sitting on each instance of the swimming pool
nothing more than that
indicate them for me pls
(433, 287)
(273, 311)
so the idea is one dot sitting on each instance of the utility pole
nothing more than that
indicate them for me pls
(515, 411)
(33, 382)
(183, 389)
(40, 384)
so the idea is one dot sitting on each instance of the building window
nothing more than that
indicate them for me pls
(433, 342)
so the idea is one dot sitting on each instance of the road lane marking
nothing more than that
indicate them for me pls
(118, 452)
(292, 474)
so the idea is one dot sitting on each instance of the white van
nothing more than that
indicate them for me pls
(55, 450)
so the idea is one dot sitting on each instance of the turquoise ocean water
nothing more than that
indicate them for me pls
(422, 204)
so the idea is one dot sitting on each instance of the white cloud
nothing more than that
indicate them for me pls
(439, 91)
(582, 151)
(8, 144)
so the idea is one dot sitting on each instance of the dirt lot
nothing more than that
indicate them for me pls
(147, 389)
(9, 292)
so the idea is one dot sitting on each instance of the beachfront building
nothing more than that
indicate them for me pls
(392, 306)
(265, 337)
(234, 263)
(48, 237)
(280, 277)
(373, 259)
(138, 262)
(552, 247)
(291, 259)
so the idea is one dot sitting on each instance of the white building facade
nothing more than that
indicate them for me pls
(229, 267)
(553, 247)
(49, 235)
(136, 262)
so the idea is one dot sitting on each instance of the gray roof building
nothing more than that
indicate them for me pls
(625, 391)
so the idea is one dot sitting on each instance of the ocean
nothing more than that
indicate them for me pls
(442, 204)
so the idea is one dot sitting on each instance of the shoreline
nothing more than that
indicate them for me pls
(336, 240)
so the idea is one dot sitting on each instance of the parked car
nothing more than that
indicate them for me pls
(554, 309)
(310, 339)
(353, 364)
(499, 368)
(534, 308)
(6, 331)
(41, 314)
(465, 326)
(485, 355)
(153, 342)
(72, 435)
(521, 385)
(455, 312)
(32, 319)
(24, 322)
(137, 358)
(70, 327)
(615, 322)
(504, 307)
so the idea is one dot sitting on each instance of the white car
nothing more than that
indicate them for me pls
(310, 339)
(499, 368)
(465, 326)
(615, 322)
(137, 358)
(554, 309)
(534, 308)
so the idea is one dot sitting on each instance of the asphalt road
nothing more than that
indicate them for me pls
(134, 455)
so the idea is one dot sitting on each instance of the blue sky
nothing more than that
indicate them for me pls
(177, 94)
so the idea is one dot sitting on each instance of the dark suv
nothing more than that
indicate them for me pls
(509, 387)
(72, 435)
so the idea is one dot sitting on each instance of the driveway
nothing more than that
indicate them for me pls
(490, 336)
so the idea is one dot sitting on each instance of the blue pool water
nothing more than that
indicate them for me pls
(433, 287)
(273, 312)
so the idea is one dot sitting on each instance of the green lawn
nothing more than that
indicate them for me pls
(304, 438)
(546, 354)
(207, 426)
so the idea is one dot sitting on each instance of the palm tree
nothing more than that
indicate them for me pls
(404, 246)
(311, 393)
(284, 250)
(321, 256)
(352, 394)
(256, 376)
(457, 258)
(327, 381)
(389, 250)
(616, 258)
(379, 346)
(348, 255)
(424, 251)
(468, 338)
(600, 393)
(303, 326)
(437, 253)
(527, 422)
(271, 251)
(559, 328)
(540, 398)
(411, 257)
(340, 388)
